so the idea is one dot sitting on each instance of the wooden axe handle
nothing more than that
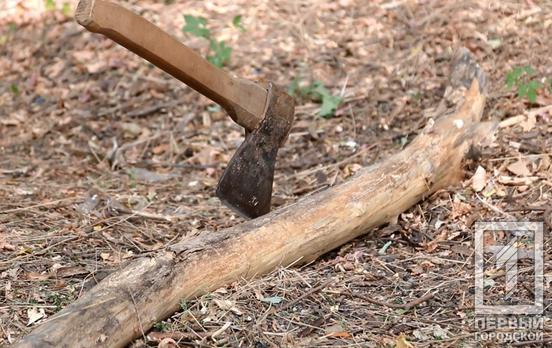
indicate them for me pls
(243, 100)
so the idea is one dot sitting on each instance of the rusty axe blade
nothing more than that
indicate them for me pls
(246, 184)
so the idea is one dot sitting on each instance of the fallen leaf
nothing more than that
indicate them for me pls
(439, 332)
(519, 168)
(97, 66)
(6, 246)
(420, 334)
(54, 70)
(479, 179)
(228, 305)
(459, 209)
(529, 123)
(35, 314)
(131, 129)
(161, 148)
(401, 342)
(427, 265)
(544, 164)
(340, 334)
(83, 56)
(432, 245)
(167, 343)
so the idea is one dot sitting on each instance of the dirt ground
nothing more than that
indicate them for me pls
(98, 148)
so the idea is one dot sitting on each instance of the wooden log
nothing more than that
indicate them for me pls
(128, 302)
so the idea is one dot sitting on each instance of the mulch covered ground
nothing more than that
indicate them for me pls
(104, 158)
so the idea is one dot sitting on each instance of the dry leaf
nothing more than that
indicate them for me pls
(432, 245)
(6, 246)
(529, 123)
(96, 67)
(340, 334)
(459, 209)
(54, 70)
(427, 264)
(34, 276)
(35, 314)
(401, 342)
(83, 56)
(544, 164)
(519, 168)
(336, 331)
(161, 148)
(227, 305)
(479, 179)
(167, 343)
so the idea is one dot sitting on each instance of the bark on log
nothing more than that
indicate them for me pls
(127, 303)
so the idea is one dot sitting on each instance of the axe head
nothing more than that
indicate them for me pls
(246, 184)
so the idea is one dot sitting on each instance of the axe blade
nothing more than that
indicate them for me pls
(246, 184)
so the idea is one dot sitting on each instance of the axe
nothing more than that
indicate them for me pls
(266, 112)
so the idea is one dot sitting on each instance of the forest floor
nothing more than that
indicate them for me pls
(98, 148)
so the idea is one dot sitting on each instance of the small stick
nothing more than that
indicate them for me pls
(408, 305)
(45, 204)
(305, 295)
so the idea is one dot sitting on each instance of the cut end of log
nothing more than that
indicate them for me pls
(465, 69)
(83, 13)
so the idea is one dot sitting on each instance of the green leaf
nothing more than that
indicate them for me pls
(510, 79)
(12, 27)
(329, 105)
(161, 326)
(293, 87)
(236, 21)
(14, 89)
(66, 9)
(528, 70)
(514, 76)
(522, 90)
(316, 91)
(50, 5)
(532, 88)
(329, 101)
(221, 53)
(196, 26)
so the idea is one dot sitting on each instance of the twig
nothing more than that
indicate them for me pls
(408, 305)
(153, 216)
(332, 165)
(151, 109)
(45, 204)
(494, 208)
(305, 295)
(528, 343)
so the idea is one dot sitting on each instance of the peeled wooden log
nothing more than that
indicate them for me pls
(128, 302)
